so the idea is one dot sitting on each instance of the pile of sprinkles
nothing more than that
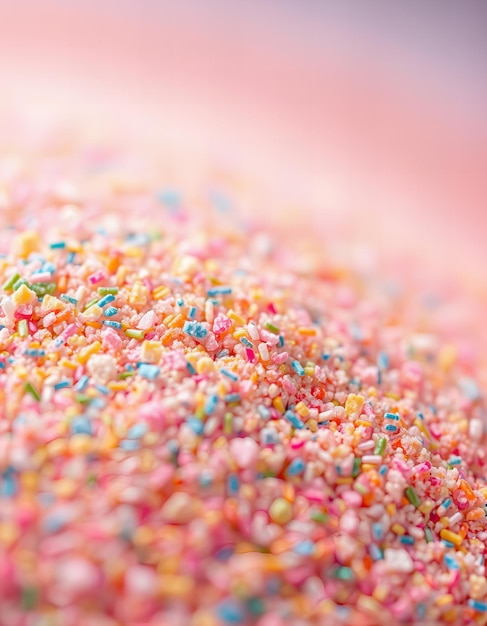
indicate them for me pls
(193, 433)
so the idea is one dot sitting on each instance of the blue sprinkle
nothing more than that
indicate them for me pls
(304, 548)
(180, 302)
(195, 424)
(219, 291)
(446, 503)
(377, 530)
(281, 341)
(421, 610)
(263, 411)
(192, 312)
(469, 388)
(137, 430)
(81, 384)
(246, 342)
(8, 486)
(191, 369)
(224, 553)
(106, 300)
(81, 425)
(102, 389)
(455, 460)
(230, 612)
(391, 427)
(448, 544)
(451, 562)
(148, 371)
(71, 256)
(2, 365)
(170, 197)
(325, 357)
(62, 385)
(407, 540)
(129, 367)
(35, 353)
(391, 416)
(195, 329)
(375, 552)
(294, 419)
(477, 605)
(53, 523)
(233, 484)
(69, 299)
(222, 353)
(298, 368)
(383, 470)
(206, 479)
(129, 444)
(57, 245)
(111, 323)
(228, 374)
(173, 446)
(269, 436)
(232, 397)
(98, 403)
(296, 467)
(210, 404)
(48, 267)
(383, 360)
(110, 312)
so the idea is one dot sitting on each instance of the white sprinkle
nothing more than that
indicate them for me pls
(476, 429)
(372, 459)
(263, 351)
(253, 331)
(455, 518)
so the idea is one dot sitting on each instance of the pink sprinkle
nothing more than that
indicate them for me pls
(43, 277)
(352, 498)
(268, 337)
(280, 358)
(314, 495)
(32, 326)
(272, 308)
(221, 324)
(49, 319)
(146, 321)
(97, 277)
(69, 331)
(288, 386)
(250, 354)
(148, 283)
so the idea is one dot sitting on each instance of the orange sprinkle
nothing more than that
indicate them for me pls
(467, 490)
(475, 514)
(310, 332)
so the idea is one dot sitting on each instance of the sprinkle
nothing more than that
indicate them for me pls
(391, 428)
(246, 343)
(192, 311)
(8, 284)
(229, 374)
(271, 328)
(81, 384)
(297, 367)
(451, 562)
(263, 411)
(296, 467)
(380, 446)
(137, 431)
(134, 334)
(30, 389)
(103, 291)
(106, 300)
(232, 397)
(151, 372)
(412, 496)
(112, 324)
(230, 612)
(62, 384)
(22, 328)
(264, 351)
(57, 245)
(479, 606)
(294, 419)
(195, 329)
(219, 291)
(450, 536)
(69, 299)
(196, 425)
(211, 404)
(281, 511)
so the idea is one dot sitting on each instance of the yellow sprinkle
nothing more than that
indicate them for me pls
(450, 536)
(151, 351)
(51, 303)
(26, 242)
(64, 487)
(344, 480)
(281, 511)
(138, 294)
(444, 521)
(391, 509)
(235, 317)
(80, 444)
(312, 424)
(238, 334)
(447, 357)
(354, 404)
(422, 427)
(160, 292)
(205, 365)
(278, 404)
(390, 394)
(309, 370)
(307, 331)
(362, 423)
(8, 533)
(426, 507)
(372, 391)
(85, 354)
(121, 275)
(398, 529)
(23, 295)
(56, 448)
(301, 409)
(177, 322)
(117, 385)
(447, 598)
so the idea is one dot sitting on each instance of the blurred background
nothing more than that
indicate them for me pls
(361, 116)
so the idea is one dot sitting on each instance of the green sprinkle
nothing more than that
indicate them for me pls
(361, 489)
(8, 285)
(357, 462)
(19, 283)
(380, 446)
(82, 398)
(412, 496)
(29, 388)
(271, 328)
(227, 423)
(69, 299)
(91, 303)
(41, 289)
(29, 598)
(22, 328)
(343, 573)
(125, 375)
(91, 480)
(428, 535)
(134, 334)
(319, 517)
(105, 291)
